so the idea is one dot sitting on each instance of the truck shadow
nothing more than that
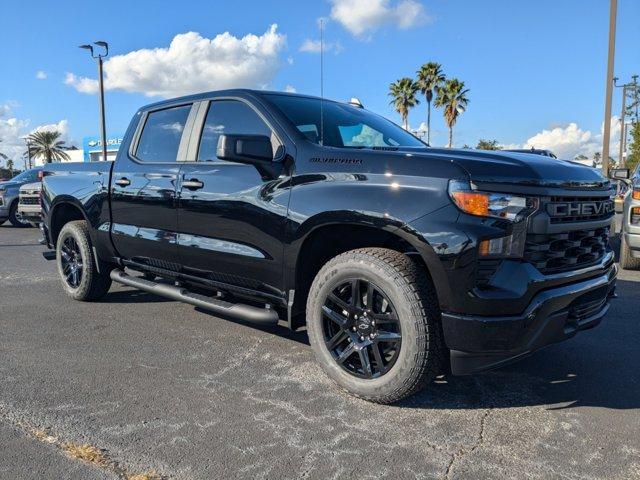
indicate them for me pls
(133, 296)
(597, 368)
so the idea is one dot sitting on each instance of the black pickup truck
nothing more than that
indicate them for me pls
(403, 261)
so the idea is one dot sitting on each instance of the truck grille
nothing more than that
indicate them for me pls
(579, 209)
(556, 252)
(30, 200)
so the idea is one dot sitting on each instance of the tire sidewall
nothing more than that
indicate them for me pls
(13, 217)
(73, 230)
(413, 341)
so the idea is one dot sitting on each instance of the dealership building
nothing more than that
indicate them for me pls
(92, 148)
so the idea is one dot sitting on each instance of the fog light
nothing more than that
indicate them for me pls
(635, 215)
(509, 246)
(635, 194)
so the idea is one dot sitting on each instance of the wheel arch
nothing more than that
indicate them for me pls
(63, 211)
(327, 240)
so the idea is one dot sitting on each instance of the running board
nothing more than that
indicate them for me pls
(235, 311)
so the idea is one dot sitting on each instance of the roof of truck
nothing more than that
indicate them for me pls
(230, 92)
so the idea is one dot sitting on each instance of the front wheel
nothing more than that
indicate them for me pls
(77, 266)
(16, 218)
(374, 324)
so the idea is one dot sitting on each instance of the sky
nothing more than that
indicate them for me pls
(535, 69)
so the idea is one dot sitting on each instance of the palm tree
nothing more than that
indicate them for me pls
(453, 98)
(404, 96)
(430, 80)
(47, 144)
(10, 167)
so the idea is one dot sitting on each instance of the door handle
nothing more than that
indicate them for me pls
(123, 182)
(193, 184)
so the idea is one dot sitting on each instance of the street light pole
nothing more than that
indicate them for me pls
(103, 128)
(606, 137)
(99, 57)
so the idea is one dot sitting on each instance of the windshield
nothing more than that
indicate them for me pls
(27, 176)
(344, 125)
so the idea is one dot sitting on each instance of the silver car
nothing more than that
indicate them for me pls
(630, 237)
(29, 208)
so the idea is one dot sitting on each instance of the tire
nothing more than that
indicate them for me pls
(627, 262)
(73, 248)
(14, 217)
(410, 295)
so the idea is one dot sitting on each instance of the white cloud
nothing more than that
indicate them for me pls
(313, 46)
(13, 129)
(290, 89)
(364, 16)
(570, 140)
(191, 64)
(41, 75)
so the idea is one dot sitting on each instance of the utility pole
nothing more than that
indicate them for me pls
(622, 126)
(627, 88)
(613, 10)
(99, 57)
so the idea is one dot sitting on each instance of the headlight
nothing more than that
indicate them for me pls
(486, 204)
(3, 191)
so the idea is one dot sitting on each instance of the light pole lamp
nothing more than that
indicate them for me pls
(99, 57)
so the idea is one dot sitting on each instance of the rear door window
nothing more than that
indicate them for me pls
(162, 133)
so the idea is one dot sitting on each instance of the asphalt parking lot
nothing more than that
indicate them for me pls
(152, 385)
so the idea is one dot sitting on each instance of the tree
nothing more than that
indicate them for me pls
(633, 156)
(488, 145)
(430, 79)
(10, 167)
(597, 159)
(403, 93)
(453, 98)
(46, 144)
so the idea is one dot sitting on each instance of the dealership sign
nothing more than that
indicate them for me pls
(94, 145)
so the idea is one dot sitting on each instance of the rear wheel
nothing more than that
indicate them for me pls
(15, 218)
(77, 265)
(627, 261)
(374, 324)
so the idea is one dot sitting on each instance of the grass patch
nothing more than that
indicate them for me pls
(86, 453)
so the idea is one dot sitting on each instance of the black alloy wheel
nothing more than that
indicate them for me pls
(72, 263)
(361, 328)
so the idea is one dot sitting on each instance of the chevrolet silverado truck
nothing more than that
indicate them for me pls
(402, 261)
(29, 209)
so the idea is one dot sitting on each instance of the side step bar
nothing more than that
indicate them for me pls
(235, 311)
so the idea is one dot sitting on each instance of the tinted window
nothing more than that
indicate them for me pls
(229, 117)
(161, 134)
(343, 125)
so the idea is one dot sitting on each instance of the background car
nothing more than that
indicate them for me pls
(9, 193)
(29, 208)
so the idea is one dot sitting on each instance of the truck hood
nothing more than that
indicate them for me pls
(9, 184)
(524, 169)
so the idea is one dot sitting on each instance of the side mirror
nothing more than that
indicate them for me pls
(245, 148)
(253, 150)
(619, 174)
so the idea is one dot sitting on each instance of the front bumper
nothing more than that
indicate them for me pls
(480, 343)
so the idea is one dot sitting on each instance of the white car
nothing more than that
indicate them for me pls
(29, 208)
